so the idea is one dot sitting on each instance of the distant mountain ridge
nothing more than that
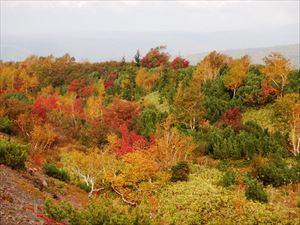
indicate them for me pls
(105, 45)
(292, 52)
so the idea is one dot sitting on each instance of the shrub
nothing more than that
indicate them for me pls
(201, 201)
(57, 212)
(52, 171)
(148, 120)
(277, 172)
(17, 96)
(228, 179)
(255, 191)
(99, 211)
(252, 139)
(180, 172)
(232, 117)
(12, 154)
(5, 124)
(84, 186)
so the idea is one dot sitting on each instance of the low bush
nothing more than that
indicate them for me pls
(277, 172)
(5, 124)
(202, 201)
(58, 212)
(12, 154)
(99, 211)
(84, 186)
(17, 96)
(255, 191)
(245, 144)
(228, 179)
(180, 172)
(52, 171)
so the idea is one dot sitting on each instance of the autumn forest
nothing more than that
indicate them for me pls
(152, 140)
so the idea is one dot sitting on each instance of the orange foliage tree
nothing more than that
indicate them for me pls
(121, 112)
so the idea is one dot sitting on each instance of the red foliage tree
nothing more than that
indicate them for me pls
(232, 117)
(130, 141)
(179, 63)
(110, 82)
(81, 88)
(44, 104)
(121, 112)
(267, 90)
(155, 58)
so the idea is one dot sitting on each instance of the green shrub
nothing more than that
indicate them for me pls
(58, 212)
(148, 119)
(17, 96)
(251, 140)
(100, 211)
(277, 172)
(52, 171)
(255, 191)
(201, 201)
(5, 124)
(180, 172)
(12, 154)
(298, 203)
(228, 179)
(84, 186)
(223, 165)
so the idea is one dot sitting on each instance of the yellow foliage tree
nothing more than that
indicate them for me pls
(287, 115)
(295, 128)
(43, 137)
(276, 69)
(171, 147)
(188, 107)
(95, 168)
(47, 91)
(146, 79)
(139, 176)
(29, 82)
(210, 66)
(8, 74)
(94, 103)
(93, 108)
(237, 73)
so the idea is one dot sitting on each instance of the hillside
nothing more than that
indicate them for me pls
(155, 141)
(292, 52)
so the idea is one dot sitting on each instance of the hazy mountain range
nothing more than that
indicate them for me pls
(292, 52)
(102, 46)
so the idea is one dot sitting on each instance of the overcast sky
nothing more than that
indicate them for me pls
(40, 17)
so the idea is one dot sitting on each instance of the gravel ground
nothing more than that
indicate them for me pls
(18, 205)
